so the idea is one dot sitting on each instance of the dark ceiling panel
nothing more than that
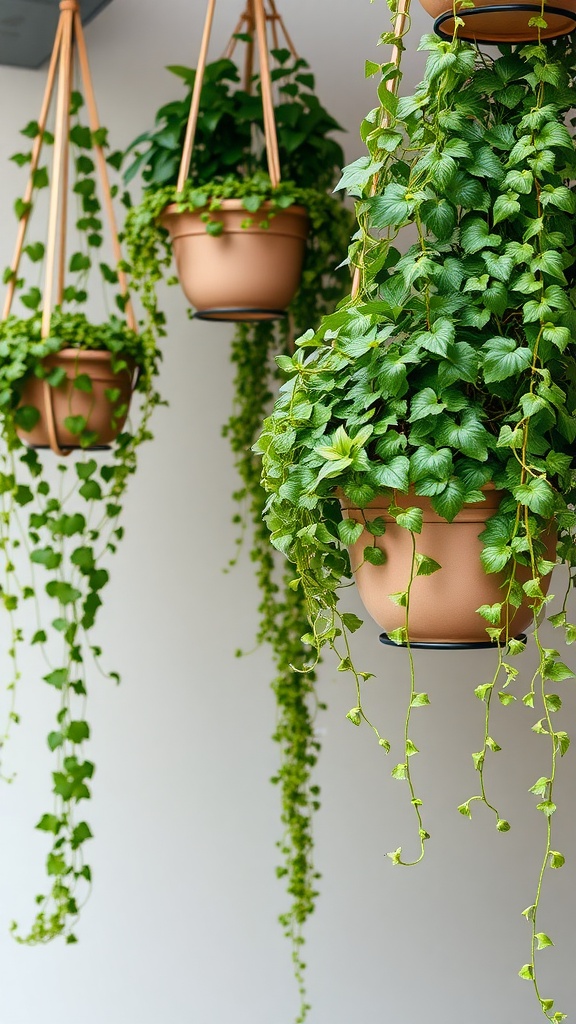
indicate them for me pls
(27, 29)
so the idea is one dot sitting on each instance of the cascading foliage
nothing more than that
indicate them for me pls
(226, 164)
(453, 366)
(60, 521)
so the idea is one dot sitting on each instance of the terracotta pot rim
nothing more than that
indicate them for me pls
(99, 354)
(235, 205)
(474, 511)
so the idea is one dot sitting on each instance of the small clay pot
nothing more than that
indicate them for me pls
(246, 273)
(504, 25)
(55, 404)
(443, 605)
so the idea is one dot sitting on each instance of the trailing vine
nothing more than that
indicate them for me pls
(61, 521)
(227, 165)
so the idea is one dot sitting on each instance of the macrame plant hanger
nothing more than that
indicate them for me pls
(69, 42)
(254, 21)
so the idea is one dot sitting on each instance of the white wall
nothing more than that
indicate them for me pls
(181, 928)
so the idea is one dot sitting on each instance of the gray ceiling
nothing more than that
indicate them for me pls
(27, 29)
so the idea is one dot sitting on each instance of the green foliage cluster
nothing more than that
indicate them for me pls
(226, 165)
(228, 118)
(453, 366)
(59, 523)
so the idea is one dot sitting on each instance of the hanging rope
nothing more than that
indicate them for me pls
(253, 21)
(68, 41)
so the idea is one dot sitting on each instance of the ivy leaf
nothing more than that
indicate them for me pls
(504, 359)
(425, 403)
(374, 555)
(475, 235)
(450, 500)
(410, 519)
(438, 339)
(395, 474)
(419, 700)
(392, 208)
(537, 495)
(349, 531)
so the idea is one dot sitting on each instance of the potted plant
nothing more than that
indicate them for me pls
(443, 385)
(66, 383)
(225, 164)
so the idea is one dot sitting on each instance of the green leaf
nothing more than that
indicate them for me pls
(527, 972)
(374, 555)
(351, 621)
(355, 716)
(557, 860)
(449, 501)
(395, 474)
(426, 566)
(49, 823)
(543, 940)
(537, 495)
(410, 519)
(419, 700)
(506, 207)
(425, 403)
(399, 771)
(547, 807)
(349, 531)
(475, 235)
(392, 208)
(438, 339)
(504, 359)
(58, 678)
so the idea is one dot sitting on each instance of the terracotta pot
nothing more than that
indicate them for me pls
(443, 605)
(502, 26)
(55, 404)
(247, 273)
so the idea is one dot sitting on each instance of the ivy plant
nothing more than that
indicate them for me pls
(60, 520)
(227, 164)
(452, 365)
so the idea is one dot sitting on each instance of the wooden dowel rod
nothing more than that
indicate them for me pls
(196, 94)
(67, 72)
(102, 167)
(61, 105)
(34, 161)
(392, 86)
(249, 62)
(278, 17)
(267, 100)
(229, 51)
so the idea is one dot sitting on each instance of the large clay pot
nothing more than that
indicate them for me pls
(246, 273)
(443, 605)
(503, 24)
(104, 417)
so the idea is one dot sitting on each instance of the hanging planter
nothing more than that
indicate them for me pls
(71, 399)
(241, 238)
(487, 22)
(442, 393)
(91, 401)
(245, 267)
(240, 271)
(444, 601)
(66, 384)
